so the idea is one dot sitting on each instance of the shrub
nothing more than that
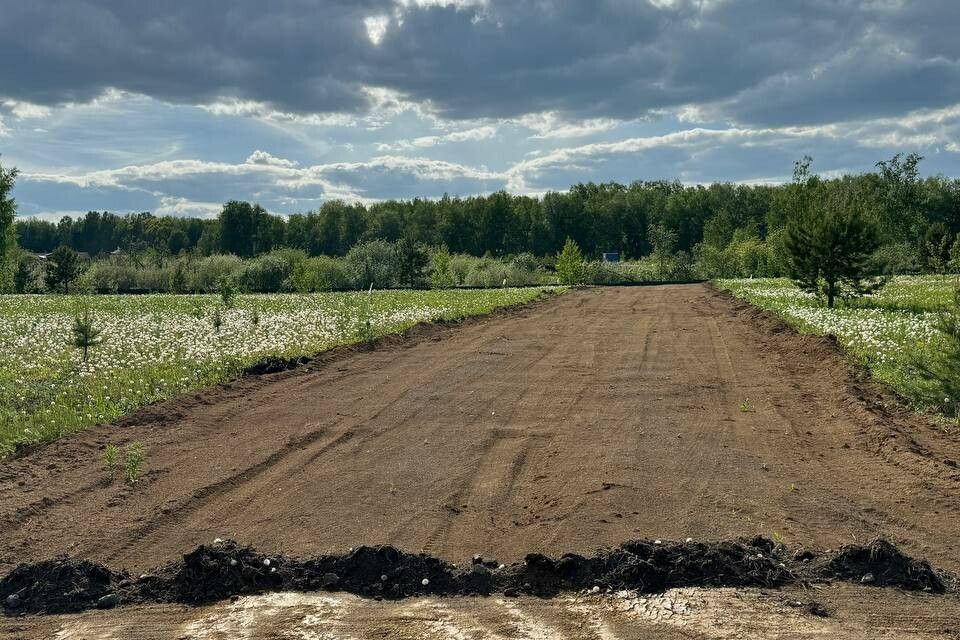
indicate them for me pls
(488, 273)
(441, 275)
(570, 264)
(373, 263)
(460, 265)
(269, 272)
(210, 270)
(321, 274)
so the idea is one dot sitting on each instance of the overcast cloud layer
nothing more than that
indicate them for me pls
(175, 107)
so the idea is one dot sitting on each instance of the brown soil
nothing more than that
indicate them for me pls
(597, 417)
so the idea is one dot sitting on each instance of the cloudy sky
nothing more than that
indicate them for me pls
(174, 106)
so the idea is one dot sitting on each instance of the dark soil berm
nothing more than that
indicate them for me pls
(223, 569)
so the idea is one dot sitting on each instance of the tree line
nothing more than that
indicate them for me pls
(922, 212)
(722, 229)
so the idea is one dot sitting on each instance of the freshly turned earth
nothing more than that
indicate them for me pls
(584, 420)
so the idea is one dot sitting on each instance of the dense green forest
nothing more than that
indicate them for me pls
(676, 231)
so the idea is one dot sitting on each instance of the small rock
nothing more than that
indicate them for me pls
(657, 542)
(383, 578)
(330, 579)
(13, 601)
(233, 562)
(595, 589)
(425, 581)
(476, 559)
(108, 601)
(218, 541)
(689, 539)
(804, 555)
(867, 578)
(266, 562)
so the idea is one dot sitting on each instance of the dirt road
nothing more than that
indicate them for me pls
(599, 416)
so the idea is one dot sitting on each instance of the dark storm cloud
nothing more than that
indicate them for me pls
(753, 61)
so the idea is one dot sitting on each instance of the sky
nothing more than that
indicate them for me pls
(175, 106)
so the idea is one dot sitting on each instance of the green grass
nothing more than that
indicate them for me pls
(158, 346)
(889, 333)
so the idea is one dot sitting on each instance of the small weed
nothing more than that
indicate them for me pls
(364, 328)
(110, 461)
(255, 317)
(133, 462)
(217, 319)
(745, 406)
(777, 538)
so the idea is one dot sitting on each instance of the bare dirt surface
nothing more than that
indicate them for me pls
(852, 613)
(593, 418)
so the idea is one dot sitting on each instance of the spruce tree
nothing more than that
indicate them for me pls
(830, 247)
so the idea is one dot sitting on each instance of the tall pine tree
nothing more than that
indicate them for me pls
(8, 239)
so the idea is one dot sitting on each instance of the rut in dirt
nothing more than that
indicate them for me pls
(224, 569)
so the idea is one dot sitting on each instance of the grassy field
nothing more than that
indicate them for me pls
(157, 346)
(889, 332)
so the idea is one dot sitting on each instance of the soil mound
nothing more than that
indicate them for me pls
(654, 566)
(882, 564)
(59, 585)
(382, 571)
(214, 572)
(225, 568)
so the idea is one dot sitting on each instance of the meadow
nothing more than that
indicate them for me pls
(156, 346)
(890, 332)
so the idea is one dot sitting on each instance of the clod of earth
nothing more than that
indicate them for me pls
(225, 569)
(881, 563)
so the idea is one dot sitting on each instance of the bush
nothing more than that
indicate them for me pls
(269, 272)
(321, 274)
(488, 272)
(570, 264)
(460, 266)
(441, 275)
(895, 259)
(210, 270)
(597, 272)
(373, 263)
